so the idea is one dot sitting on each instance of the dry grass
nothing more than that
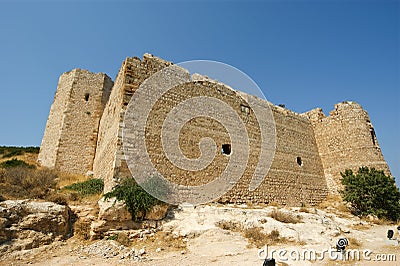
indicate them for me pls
(230, 225)
(336, 205)
(259, 239)
(273, 204)
(353, 242)
(382, 221)
(23, 183)
(69, 179)
(40, 183)
(123, 239)
(255, 235)
(82, 229)
(30, 158)
(304, 209)
(334, 201)
(285, 217)
(57, 198)
(361, 226)
(164, 240)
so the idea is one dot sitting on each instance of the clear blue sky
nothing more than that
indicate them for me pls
(304, 54)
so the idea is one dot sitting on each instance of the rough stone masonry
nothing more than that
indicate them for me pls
(84, 134)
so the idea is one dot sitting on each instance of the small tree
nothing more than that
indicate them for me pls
(370, 191)
(137, 200)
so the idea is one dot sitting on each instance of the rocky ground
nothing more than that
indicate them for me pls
(221, 235)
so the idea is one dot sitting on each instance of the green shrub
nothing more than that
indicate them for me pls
(112, 237)
(370, 191)
(15, 163)
(89, 187)
(137, 200)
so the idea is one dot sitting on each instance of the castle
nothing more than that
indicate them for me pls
(84, 135)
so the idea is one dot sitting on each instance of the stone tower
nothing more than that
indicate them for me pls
(70, 137)
(109, 163)
(346, 140)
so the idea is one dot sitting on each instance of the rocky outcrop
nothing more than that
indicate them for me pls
(26, 224)
(113, 215)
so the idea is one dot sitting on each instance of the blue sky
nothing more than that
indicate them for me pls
(304, 54)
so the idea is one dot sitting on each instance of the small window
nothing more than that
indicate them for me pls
(299, 161)
(87, 97)
(373, 136)
(226, 149)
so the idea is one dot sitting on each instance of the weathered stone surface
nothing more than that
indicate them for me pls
(346, 140)
(70, 138)
(99, 227)
(157, 213)
(113, 210)
(311, 148)
(113, 215)
(26, 224)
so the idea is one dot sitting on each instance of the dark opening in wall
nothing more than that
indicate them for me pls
(87, 97)
(226, 149)
(373, 136)
(299, 161)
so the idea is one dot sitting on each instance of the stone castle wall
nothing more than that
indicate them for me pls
(69, 142)
(346, 139)
(52, 134)
(109, 163)
(287, 183)
(311, 149)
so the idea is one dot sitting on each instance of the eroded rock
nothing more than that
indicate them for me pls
(26, 224)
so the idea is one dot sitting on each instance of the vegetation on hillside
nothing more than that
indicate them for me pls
(137, 200)
(23, 182)
(10, 151)
(16, 163)
(89, 187)
(370, 191)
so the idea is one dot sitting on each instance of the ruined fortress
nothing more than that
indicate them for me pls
(84, 135)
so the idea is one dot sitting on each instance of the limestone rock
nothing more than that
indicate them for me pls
(113, 210)
(113, 215)
(26, 224)
(99, 227)
(158, 212)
